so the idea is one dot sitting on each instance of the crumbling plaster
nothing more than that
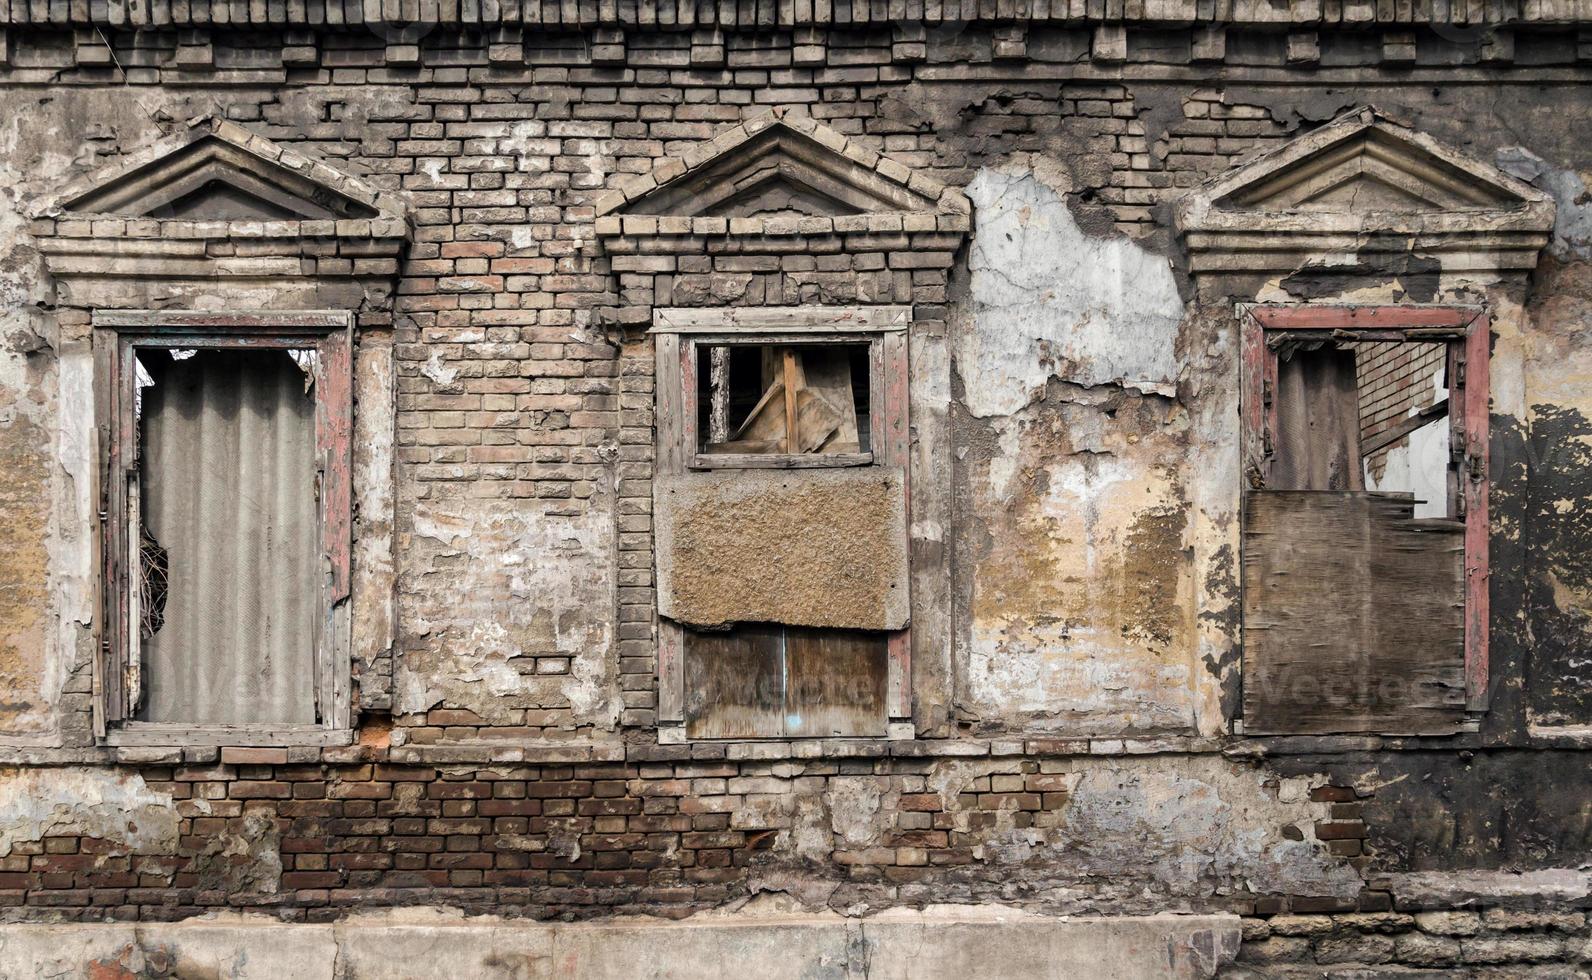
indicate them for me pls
(117, 807)
(1091, 533)
(509, 607)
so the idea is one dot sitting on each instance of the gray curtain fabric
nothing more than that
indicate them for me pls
(1317, 443)
(228, 487)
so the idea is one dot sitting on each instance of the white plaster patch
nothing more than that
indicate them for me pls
(492, 587)
(1419, 465)
(113, 806)
(1050, 301)
(438, 372)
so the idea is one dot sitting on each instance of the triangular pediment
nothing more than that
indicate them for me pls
(1362, 178)
(1370, 166)
(779, 167)
(219, 172)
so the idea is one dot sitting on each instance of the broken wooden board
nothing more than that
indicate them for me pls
(805, 548)
(1353, 615)
(826, 413)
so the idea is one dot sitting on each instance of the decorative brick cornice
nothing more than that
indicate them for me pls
(667, 14)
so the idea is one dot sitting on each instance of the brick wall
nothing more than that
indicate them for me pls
(668, 831)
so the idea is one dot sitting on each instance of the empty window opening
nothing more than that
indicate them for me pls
(774, 681)
(795, 399)
(1365, 416)
(224, 518)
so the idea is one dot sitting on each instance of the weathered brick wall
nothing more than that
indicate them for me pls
(311, 834)
(518, 770)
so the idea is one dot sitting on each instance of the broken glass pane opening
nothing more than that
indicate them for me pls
(746, 394)
(152, 579)
(226, 528)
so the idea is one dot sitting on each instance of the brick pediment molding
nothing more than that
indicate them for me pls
(780, 182)
(217, 202)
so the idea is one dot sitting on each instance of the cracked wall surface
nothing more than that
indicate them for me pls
(1073, 739)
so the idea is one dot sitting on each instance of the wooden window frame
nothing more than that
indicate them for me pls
(1466, 331)
(676, 335)
(118, 335)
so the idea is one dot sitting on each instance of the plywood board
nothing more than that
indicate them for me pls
(1353, 615)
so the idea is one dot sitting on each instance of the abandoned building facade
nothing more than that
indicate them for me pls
(891, 471)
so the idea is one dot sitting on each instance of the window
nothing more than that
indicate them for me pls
(1365, 518)
(226, 533)
(783, 595)
(803, 403)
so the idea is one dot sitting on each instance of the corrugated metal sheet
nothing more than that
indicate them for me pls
(228, 474)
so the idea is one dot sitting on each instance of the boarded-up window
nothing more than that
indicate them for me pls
(770, 681)
(780, 521)
(226, 536)
(227, 502)
(1364, 521)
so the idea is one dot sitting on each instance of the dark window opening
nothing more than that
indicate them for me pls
(746, 393)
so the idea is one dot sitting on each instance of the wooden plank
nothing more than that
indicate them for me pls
(690, 438)
(667, 365)
(834, 683)
(334, 431)
(1362, 317)
(239, 320)
(1475, 480)
(891, 384)
(777, 461)
(762, 319)
(1353, 615)
(793, 434)
(670, 451)
(1251, 399)
(164, 734)
(735, 683)
(106, 422)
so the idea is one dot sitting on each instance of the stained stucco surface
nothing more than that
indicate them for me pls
(1080, 594)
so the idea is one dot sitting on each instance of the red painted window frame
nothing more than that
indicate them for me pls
(1467, 329)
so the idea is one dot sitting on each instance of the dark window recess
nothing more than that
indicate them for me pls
(773, 681)
(1354, 584)
(225, 512)
(746, 393)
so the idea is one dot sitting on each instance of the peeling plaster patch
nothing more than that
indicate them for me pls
(1201, 826)
(493, 592)
(1145, 832)
(1572, 224)
(1082, 594)
(439, 373)
(113, 806)
(855, 804)
(1051, 301)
